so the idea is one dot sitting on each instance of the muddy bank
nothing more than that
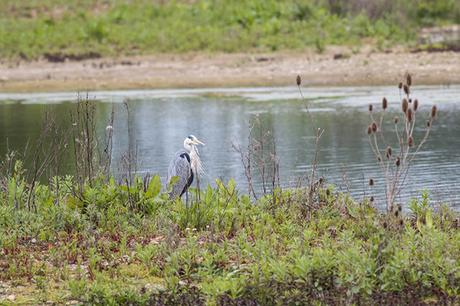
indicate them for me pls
(337, 66)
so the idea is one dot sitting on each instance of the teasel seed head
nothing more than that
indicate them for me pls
(374, 127)
(410, 141)
(396, 119)
(370, 108)
(298, 80)
(388, 152)
(400, 85)
(409, 79)
(398, 161)
(405, 105)
(434, 110)
(410, 115)
(384, 103)
(369, 130)
(371, 182)
(406, 89)
(415, 105)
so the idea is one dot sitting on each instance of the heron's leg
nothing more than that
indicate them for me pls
(197, 188)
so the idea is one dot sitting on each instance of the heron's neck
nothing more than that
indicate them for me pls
(195, 161)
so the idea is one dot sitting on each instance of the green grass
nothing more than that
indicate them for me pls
(111, 245)
(79, 29)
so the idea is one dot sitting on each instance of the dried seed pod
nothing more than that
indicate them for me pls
(410, 115)
(398, 161)
(369, 130)
(401, 222)
(405, 105)
(406, 89)
(399, 207)
(388, 152)
(396, 119)
(385, 224)
(396, 213)
(370, 107)
(415, 105)
(409, 79)
(410, 141)
(374, 127)
(379, 159)
(428, 123)
(298, 80)
(371, 199)
(400, 85)
(384, 103)
(371, 182)
(434, 110)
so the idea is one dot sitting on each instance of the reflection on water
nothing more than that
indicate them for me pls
(161, 119)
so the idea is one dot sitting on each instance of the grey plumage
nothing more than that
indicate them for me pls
(180, 166)
(185, 165)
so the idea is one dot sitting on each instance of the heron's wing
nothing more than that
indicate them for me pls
(180, 167)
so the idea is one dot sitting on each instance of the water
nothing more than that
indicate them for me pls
(161, 119)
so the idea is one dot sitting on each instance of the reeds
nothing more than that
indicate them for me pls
(312, 177)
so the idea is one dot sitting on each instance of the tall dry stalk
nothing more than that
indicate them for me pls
(313, 184)
(260, 159)
(92, 156)
(129, 158)
(395, 163)
(48, 149)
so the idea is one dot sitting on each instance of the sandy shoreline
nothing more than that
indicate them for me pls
(336, 67)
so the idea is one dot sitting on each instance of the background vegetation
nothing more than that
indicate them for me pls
(60, 29)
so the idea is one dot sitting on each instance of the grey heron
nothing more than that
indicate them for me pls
(185, 165)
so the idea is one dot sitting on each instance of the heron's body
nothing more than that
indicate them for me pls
(185, 165)
(181, 167)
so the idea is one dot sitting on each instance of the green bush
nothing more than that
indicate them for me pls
(79, 29)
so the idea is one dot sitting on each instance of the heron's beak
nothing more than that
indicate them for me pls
(197, 142)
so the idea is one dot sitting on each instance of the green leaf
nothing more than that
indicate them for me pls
(155, 186)
(429, 218)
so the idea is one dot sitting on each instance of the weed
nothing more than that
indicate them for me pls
(395, 163)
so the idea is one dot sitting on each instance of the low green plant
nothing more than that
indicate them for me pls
(223, 249)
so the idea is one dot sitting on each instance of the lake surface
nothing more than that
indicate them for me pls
(160, 120)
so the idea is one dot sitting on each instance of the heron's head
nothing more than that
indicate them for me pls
(191, 141)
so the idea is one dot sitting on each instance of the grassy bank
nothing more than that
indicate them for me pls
(57, 29)
(111, 244)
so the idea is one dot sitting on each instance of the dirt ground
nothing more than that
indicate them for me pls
(337, 66)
